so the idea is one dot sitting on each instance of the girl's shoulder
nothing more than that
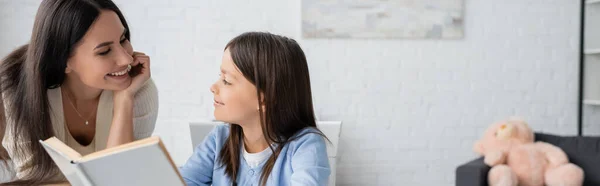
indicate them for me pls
(307, 136)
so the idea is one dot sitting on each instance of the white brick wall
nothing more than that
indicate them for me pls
(411, 108)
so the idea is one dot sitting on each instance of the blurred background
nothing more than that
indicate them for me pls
(412, 104)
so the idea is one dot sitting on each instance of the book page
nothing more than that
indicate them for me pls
(146, 164)
(62, 155)
(121, 148)
(61, 148)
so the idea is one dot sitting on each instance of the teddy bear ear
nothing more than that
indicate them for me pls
(478, 147)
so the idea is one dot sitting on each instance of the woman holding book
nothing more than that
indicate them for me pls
(78, 79)
(272, 139)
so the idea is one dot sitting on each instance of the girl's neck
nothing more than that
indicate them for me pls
(254, 140)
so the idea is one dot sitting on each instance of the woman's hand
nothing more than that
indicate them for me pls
(121, 130)
(140, 73)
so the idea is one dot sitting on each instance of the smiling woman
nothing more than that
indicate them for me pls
(78, 79)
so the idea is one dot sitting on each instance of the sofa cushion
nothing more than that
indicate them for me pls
(583, 151)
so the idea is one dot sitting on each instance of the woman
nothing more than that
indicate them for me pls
(78, 79)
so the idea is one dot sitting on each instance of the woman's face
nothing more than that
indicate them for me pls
(102, 58)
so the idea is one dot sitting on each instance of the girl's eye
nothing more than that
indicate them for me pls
(225, 82)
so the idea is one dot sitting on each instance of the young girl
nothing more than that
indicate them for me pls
(78, 79)
(271, 139)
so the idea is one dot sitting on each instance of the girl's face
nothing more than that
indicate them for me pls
(235, 98)
(101, 59)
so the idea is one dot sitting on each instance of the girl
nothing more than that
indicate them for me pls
(264, 93)
(78, 79)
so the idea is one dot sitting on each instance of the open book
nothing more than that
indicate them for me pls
(143, 162)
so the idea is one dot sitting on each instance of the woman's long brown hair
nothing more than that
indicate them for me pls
(27, 73)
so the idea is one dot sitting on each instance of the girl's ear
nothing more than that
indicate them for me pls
(262, 98)
(261, 106)
(68, 69)
(262, 101)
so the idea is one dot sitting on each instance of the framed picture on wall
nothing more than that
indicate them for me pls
(414, 19)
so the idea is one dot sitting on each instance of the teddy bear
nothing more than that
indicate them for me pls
(515, 159)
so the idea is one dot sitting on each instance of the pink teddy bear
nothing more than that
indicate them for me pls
(508, 147)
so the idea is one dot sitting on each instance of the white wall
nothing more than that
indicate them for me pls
(411, 108)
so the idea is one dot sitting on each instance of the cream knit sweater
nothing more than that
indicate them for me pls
(145, 111)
